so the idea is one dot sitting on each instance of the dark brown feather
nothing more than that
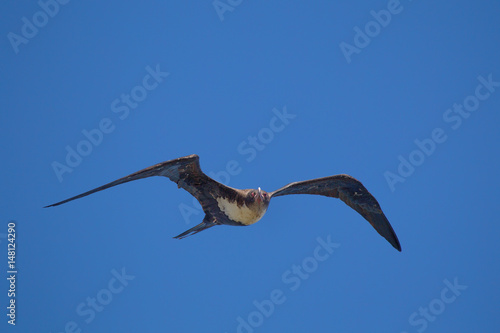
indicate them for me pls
(353, 193)
(186, 172)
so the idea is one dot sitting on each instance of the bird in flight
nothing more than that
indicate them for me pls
(226, 205)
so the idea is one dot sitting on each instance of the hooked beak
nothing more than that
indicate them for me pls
(261, 197)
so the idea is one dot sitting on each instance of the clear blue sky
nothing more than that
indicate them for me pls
(404, 96)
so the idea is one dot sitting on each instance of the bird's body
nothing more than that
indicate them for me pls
(226, 205)
(241, 213)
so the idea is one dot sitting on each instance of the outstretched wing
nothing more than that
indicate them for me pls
(184, 171)
(353, 193)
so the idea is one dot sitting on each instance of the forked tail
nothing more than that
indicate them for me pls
(207, 223)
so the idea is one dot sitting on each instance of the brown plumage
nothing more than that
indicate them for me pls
(226, 205)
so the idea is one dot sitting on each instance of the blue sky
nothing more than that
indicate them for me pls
(404, 96)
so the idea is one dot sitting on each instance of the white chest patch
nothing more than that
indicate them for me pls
(241, 214)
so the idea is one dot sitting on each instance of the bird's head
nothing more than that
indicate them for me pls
(257, 198)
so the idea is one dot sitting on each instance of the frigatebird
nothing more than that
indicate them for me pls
(230, 206)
